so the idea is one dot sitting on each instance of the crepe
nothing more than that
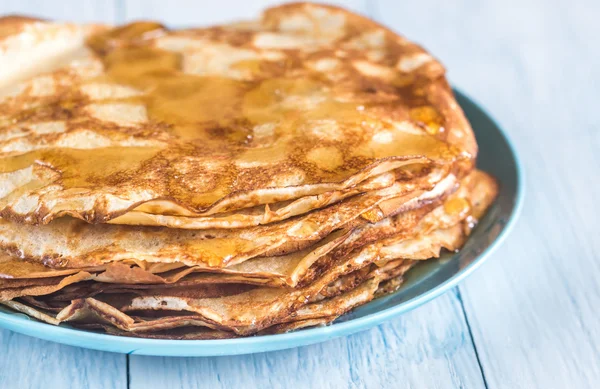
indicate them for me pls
(245, 179)
(476, 191)
(73, 243)
(246, 309)
(192, 328)
(418, 229)
(91, 310)
(205, 121)
(262, 214)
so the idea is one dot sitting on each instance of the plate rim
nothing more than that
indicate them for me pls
(237, 346)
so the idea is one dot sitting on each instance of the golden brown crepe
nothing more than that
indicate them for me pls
(289, 269)
(245, 179)
(246, 309)
(205, 121)
(71, 242)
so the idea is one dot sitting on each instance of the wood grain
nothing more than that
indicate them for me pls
(68, 10)
(533, 307)
(413, 351)
(32, 363)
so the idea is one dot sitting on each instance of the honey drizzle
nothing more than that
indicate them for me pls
(213, 117)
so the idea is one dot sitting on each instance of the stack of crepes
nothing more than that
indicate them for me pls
(250, 178)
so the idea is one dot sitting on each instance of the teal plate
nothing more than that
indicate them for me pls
(423, 283)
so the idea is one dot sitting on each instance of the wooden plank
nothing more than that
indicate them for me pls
(71, 10)
(533, 308)
(198, 13)
(427, 348)
(32, 363)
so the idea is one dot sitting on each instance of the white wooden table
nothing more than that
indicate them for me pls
(530, 318)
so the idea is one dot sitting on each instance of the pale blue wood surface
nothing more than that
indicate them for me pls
(69, 10)
(32, 363)
(532, 310)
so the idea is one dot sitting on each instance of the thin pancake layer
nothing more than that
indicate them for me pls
(309, 99)
(245, 309)
(93, 312)
(253, 216)
(250, 311)
(72, 243)
(475, 193)
(191, 327)
(296, 267)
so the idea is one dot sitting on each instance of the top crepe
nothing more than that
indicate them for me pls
(307, 100)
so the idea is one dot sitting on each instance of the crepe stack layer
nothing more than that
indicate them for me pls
(250, 178)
